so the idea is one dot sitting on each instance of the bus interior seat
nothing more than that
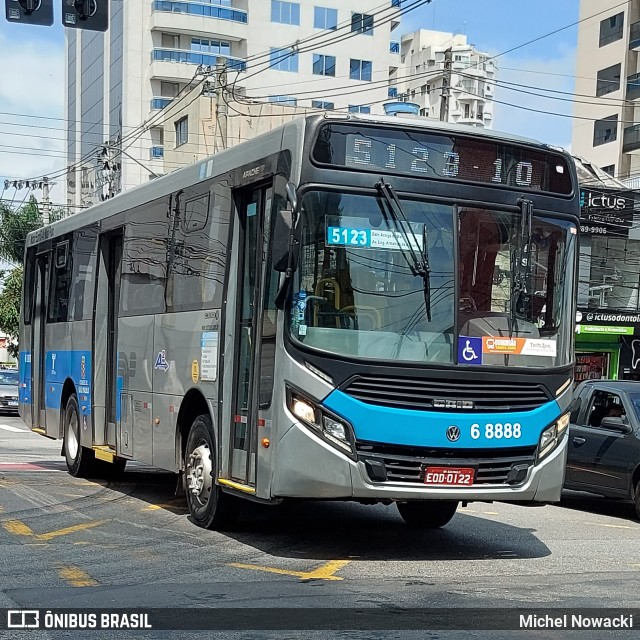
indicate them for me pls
(491, 323)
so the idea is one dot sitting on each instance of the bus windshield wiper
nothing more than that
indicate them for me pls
(417, 259)
(522, 259)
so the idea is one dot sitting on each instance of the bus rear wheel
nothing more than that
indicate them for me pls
(81, 461)
(208, 505)
(427, 514)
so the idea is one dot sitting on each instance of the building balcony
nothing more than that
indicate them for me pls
(171, 64)
(195, 18)
(475, 119)
(157, 152)
(634, 36)
(633, 86)
(631, 139)
(207, 10)
(160, 102)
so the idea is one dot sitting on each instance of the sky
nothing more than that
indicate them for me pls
(33, 78)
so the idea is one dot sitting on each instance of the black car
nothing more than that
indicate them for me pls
(9, 391)
(604, 440)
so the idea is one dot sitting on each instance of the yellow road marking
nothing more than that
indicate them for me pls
(76, 577)
(325, 572)
(490, 513)
(1, 508)
(17, 528)
(165, 505)
(68, 530)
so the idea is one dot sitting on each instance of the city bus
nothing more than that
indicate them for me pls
(316, 314)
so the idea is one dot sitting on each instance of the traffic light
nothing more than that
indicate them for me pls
(92, 15)
(30, 11)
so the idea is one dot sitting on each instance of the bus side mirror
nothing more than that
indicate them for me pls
(282, 242)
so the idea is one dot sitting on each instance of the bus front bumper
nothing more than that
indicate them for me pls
(311, 468)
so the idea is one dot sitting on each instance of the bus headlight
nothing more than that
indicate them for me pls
(552, 436)
(329, 427)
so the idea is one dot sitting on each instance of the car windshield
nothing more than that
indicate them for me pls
(9, 377)
(361, 290)
(635, 401)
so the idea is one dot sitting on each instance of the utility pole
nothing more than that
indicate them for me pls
(446, 86)
(46, 202)
(221, 104)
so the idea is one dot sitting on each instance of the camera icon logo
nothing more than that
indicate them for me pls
(23, 619)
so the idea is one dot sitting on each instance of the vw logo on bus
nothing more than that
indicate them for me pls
(453, 433)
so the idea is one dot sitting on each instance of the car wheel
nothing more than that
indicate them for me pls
(636, 498)
(429, 514)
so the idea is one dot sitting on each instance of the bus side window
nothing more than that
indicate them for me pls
(60, 283)
(29, 286)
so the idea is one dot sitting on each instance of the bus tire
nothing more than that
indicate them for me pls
(427, 514)
(209, 506)
(636, 498)
(80, 460)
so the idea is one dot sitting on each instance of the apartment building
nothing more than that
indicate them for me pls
(434, 64)
(323, 54)
(608, 87)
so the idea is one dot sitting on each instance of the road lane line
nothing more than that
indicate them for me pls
(68, 530)
(76, 577)
(6, 427)
(17, 528)
(325, 572)
(614, 526)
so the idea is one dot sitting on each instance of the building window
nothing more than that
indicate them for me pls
(610, 169)
(611, 29)
(359, 108)
(362, 23)
(285, 12)
(211, 46)
(608, 80)
(289, 100)
(170, 41)
(324, 65)
(320, 104)
(360, 70)
(182, 131)
(605, 130)
(283, 60)
(324, 18)
(169, 89)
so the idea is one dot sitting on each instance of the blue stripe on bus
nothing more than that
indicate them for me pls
(60, 365)
(24, 374)
(428, 428)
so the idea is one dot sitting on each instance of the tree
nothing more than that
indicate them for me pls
(15, 224)
(10, 307)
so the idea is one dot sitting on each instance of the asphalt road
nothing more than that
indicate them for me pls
(71, 543)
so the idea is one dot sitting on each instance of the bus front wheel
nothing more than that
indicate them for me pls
(81, 461)
(427, 514)
(208, 505)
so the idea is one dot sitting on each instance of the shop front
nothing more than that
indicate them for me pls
(608, 319)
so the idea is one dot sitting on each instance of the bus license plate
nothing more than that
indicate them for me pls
(457, 476)
(12, 403)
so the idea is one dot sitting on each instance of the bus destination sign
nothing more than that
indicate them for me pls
(442, 155)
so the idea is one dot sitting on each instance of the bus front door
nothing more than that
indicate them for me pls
(38, 347)
(251, 206)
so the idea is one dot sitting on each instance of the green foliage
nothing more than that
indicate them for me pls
(15, 224)
(10, 306)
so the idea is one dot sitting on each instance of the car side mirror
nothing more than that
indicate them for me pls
(615, 424)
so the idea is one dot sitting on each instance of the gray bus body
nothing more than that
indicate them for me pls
(155, 309)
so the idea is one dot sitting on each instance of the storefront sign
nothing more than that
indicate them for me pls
(606, 212)
(604, 329)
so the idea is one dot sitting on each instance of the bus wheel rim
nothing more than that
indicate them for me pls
(200, 473)
(72, 436)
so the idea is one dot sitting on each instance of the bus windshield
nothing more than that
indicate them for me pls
(357, 292)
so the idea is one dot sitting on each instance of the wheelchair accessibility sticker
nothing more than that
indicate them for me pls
(469, 350)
